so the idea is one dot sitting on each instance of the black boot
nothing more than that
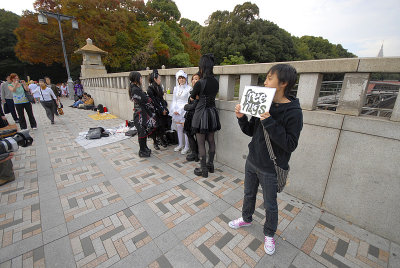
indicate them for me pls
(202, 170)
(156, 147)
(191, 157)
(210, 164)
(144, 153)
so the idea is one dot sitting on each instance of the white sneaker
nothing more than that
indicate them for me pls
(185, 150)
(177, 149)
(235, 224)
(269, 245)
(34, 128)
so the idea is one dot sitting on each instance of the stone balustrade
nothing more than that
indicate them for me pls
(345, 163)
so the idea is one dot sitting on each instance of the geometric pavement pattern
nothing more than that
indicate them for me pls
(108, 220)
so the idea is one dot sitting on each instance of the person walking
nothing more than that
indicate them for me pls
(7, 100)
(55, 91)
(144, 116)
(32, 87)
(18, 89)
(156, 93)
(206, 119)
(46, 99)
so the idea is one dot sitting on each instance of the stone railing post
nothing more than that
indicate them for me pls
(396, 109)
(308, 90)
(226, 87)
(247, 80)
(170, 82)
(352, 96)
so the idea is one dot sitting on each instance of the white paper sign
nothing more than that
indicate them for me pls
(256, 100)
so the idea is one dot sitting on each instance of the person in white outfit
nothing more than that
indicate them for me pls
(32, 86)
(177, 112)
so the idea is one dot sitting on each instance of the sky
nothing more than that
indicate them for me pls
(360, 26)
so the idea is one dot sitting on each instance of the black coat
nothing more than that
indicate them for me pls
(144, 116)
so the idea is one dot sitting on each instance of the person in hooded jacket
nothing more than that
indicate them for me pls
(177, 112)
(156, 93)
(144, 117)
(283, 122)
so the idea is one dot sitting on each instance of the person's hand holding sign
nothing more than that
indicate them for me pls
(264, 116)
(237, 111)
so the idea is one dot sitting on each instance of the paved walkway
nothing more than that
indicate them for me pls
(71, 207)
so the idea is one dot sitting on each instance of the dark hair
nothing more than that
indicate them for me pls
(42, 80)
(89, 95)
(198, 74)
(285, 73)
(206, 65)
(134, 77)
(153, 76)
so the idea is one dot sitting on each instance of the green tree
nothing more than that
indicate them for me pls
(242, 31)
(234, 59)
(192, 27)
(165, 10)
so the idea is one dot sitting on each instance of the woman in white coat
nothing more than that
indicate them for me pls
(177, 112)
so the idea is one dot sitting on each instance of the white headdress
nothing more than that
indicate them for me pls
(179, 74)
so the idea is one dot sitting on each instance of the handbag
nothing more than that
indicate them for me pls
(29, 96)
(281, 174)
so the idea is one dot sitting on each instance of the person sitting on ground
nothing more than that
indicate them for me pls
(80, 101)
(88, 103)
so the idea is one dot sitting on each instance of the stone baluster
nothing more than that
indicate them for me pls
(352, 96)
(247, 80)
(308, 90)
(396, 109)
(226, 87)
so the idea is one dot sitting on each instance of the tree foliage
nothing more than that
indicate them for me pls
(234, 59)
(242, 31)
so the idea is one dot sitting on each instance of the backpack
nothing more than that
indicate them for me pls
(100, 108)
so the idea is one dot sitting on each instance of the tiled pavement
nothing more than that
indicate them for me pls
(71, 207)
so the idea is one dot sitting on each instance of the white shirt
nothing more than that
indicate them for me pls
(35, 93)
(45, 94)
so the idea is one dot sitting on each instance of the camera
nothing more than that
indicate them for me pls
(11, 144)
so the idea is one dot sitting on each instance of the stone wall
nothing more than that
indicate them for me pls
(345, 163)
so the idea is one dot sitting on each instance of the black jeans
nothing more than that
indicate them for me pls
(20, 110)
(253, 177)
(11, 108)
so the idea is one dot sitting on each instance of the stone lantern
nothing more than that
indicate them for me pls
(92, 65)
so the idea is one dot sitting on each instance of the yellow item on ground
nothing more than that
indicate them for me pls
(103, 116)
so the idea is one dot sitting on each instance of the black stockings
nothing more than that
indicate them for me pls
(201, 141)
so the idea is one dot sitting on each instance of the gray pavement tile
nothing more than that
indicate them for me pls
(20, 247)
(163, 262)
(51, 213)
(394, 257)
(132, 199)
(300, 228)
(234, 196)
(166, 241)
(48, 195)
(47, 184)
(220, 205)
(181, 257)
(200, 191)
(149, 193)
(283, 256)
(192, 224)
(303, 260)
(18, 205)
(53, 256)
(149, 220)
(356, 231)
(95, 216)
(85, 184)
(141, 257)
(121, 187)
(55, 233)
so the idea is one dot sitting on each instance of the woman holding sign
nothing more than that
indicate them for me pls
(283, 123)
(205, 119)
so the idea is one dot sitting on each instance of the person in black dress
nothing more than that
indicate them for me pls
(144, 117)
(206, 119)
(156, 93)
(187, 127)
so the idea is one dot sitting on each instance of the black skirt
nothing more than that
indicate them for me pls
(205, 118)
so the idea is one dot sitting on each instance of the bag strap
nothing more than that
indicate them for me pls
(41, 93)
(269, 146)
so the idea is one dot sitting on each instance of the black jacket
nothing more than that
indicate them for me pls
(283, 126)
(156, 94)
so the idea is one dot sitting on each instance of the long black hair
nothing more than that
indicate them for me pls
(206, 65)
(134, 77)
(153, 76)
